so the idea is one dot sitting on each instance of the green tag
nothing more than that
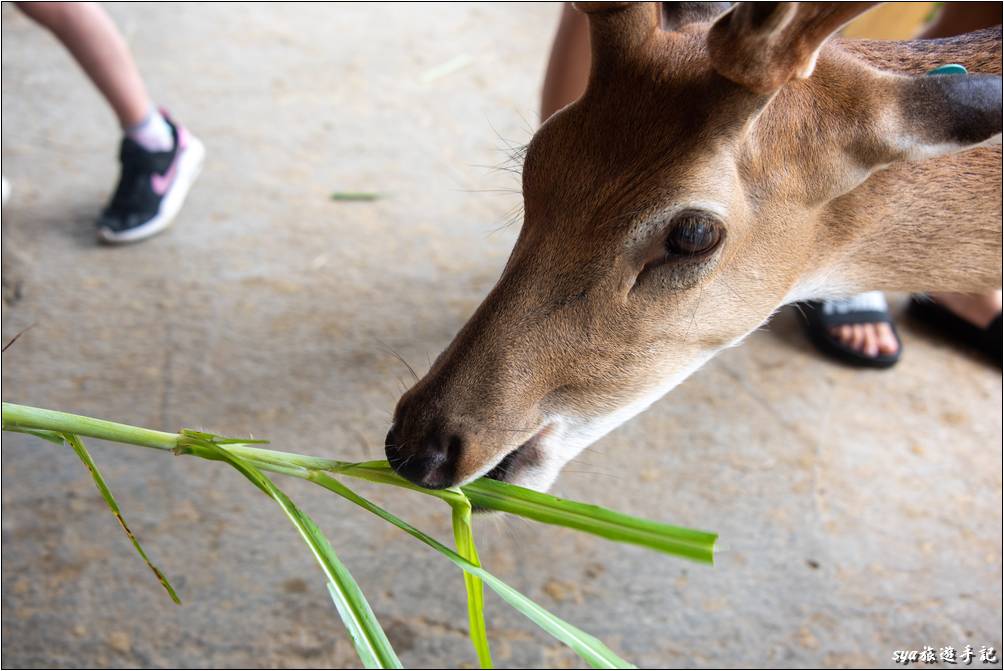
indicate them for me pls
(950, 69)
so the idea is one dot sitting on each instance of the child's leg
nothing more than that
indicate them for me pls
(957, 18)
(89, 34)
(160, 159)
(568, 67)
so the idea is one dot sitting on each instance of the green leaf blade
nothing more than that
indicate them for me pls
(106, 493)
(355, 196)
(463, 535)
(368, 637)
(491, 494)
(682, 542)
(587, 646)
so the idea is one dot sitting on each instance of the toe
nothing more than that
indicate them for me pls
(858, 337)
(887, 343)
(870, 345)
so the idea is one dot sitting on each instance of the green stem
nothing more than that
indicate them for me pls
(689, 543)
(22, 417)
(28, 419)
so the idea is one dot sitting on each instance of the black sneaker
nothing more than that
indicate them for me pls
(152, 187)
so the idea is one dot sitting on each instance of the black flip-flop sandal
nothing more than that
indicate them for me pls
(819, 318)
(986, 340)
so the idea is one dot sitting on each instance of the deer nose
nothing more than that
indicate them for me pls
(431, 463)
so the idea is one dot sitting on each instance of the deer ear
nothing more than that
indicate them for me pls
(619, 30)
(763, 45)
(941, 115)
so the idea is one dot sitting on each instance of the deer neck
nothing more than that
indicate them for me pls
(930, 225)
(927, 226)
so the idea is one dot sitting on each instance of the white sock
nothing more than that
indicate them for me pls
(152, 133)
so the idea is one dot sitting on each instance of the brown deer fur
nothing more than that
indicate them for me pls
(828, 169)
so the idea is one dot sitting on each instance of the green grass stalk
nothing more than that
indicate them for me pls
(370, 641)
(484, 493)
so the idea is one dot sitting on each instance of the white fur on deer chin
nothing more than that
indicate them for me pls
(571, 435)
(819, 285)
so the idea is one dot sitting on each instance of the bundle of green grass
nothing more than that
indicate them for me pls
(367, 636)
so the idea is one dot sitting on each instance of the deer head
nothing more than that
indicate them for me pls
(711, 173)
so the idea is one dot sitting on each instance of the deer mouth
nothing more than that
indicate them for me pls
(527, 455)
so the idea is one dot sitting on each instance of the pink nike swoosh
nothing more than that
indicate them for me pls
(161, 183)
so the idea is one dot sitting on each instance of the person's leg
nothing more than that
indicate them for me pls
(957, 18)
(159, 158)
(977, 309)
(568, 67)
(87, 32)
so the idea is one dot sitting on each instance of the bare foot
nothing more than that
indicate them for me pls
(861, 323)
(869, 339)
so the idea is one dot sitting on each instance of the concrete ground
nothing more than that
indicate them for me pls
(860, 512)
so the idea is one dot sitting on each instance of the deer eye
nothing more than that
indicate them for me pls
(684, 255)
(693, 234)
